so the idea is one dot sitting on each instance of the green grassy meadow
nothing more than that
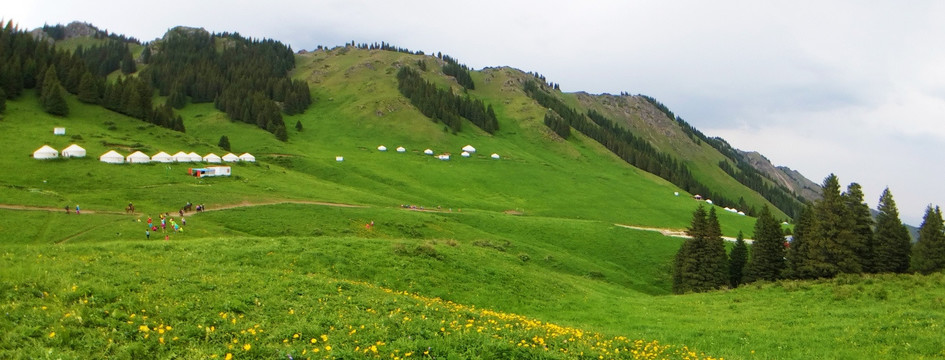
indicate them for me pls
(516, 258)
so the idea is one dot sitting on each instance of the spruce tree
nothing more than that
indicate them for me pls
(51, 97)
(928, 254)
(767, 251)
(797, 262)
(88, 90)
(830, 249)
(737, 260)
(701, 263)
(298, 125)
(224, 143)
(862, 226)
(891, 243)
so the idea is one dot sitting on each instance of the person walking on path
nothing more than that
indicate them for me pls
(77, 209)
(147, 234)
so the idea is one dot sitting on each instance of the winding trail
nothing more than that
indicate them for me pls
(680, 233)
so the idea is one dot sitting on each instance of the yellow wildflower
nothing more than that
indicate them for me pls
(228, 356)
(52, 334)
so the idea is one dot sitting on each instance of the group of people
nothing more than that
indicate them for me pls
(165, 221)
(76, 209)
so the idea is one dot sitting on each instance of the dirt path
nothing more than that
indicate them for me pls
(680, 233)
(215, 208)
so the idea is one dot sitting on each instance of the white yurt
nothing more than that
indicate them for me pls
(469, 148)
(162, 157)
(443, 157)
(464, 154)
(401, 149)
(73, 151)
(195, 157)
(181, 156)
(212, 158)
(495, 156)
(247, 157)
(229, 157)
(45, 152)
(382, 148)
(339, 158)
(112, 157)
(428, 152)
(138, 157)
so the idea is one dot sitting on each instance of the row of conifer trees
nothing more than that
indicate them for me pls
(835, 235)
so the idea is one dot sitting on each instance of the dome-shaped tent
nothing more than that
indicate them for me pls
(469, 148)
(138, 157)
(45, 152)
(428, 152)
(401, 149)
(162, 157)
(112, 157)
(495, 156)
(212, 158)
(464, 154)
(181, 156)
(229, 157)
(382, 148)
(73, 151)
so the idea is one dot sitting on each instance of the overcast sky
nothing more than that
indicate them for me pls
(856, 88)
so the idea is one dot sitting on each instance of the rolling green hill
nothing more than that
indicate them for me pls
(517, 257)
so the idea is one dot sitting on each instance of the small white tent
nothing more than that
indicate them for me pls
(464, 154)
(469, 148)
(247, 157)
(73, 151)
(59, 131)
(495, 156)
(138, 157)
(229, 157)
(382, 148)
(443, 157)
(401, 149)
(181, 156)
(428, 152)
(339, 158)
(195, 157)
(112, 157)
(212, 158)
(45, 152)
(162, 157)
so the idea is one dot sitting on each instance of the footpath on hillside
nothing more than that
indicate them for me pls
(679, 233)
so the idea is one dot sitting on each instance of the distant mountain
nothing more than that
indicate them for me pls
(785, 176)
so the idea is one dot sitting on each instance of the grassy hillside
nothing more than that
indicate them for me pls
(512, 258)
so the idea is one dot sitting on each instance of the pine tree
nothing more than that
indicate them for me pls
(798, 266)
(829, 249)
(862, 222)
(51, 97)
(891, 242)
(88, 90)
(701, 263)
(224, 143)
(128, 64)
(928, 254)
(767, 251)
(298, 125)
(737, 260)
